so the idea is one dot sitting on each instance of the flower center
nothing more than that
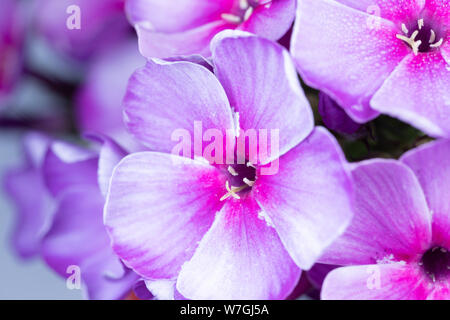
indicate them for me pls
(436, 263)
(243, 12)
(421, 37)
(241, 178)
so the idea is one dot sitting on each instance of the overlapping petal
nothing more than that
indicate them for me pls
(165, 97)
(158, 208)
(418, 92)
(431, 165)
(298, 198)
(240, 257)
(392, 220)
(268, 98)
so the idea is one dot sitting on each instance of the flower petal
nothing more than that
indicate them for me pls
(309, 199)
(391, 221)
(375, 282)
(66, 166)
(165, 97)
(171, 16)
(265, 98)
(418, 92)
(240, 257)
(154, 44)
(78, 238)
(431, 164)
(34, 209)
(271, 20)
(340, 51)
(158, 207)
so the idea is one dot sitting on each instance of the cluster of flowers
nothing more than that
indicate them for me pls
(137, 218)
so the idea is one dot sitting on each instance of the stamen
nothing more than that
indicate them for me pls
(437, 44)
(404, 29)
(420, 23)
(248, 13)
(232, 171)
(249, 164)
(243, 4)
(433, 36)
(248, 182)
(232, 191)
(231, 18)
(411, 41)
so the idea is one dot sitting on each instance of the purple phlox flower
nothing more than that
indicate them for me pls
(77, 240)
(168, 28)
(397, 246)
(34, 205)
(11, 45)
(99, 100)
(379, 56)
(80, 28)
(226, 230)
(334, 117)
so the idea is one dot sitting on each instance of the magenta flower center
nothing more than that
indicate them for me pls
(421, 36)
(241, 178)
(436, 263)
(243, 11)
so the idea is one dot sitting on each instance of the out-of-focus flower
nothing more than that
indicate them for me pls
(335, 117)
(396, 62)
(99, 101)
(169, 28)
(231, 230)
(78, 179)
(397, 246)
(101, 22)
(11, 45)
(25, 186)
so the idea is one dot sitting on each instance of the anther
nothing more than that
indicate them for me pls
(437, 44)
(232, 171)
(231, 18)
(432, 37)
(248, 182)
(420, 24)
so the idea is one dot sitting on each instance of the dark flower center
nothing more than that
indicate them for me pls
(436, 263)
(421, 36)
(241, 178)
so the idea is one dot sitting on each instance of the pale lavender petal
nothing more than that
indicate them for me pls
(418, 92)
(78, 238)
(166, 97)
(268, 97)
(375, 282)
(271, 20)
(391, 221)
(240, 257)
(158, 208)
(309, 198)
(67, 165)
(154, 44)
(431, 164)
(172, 16)
(347, 60)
